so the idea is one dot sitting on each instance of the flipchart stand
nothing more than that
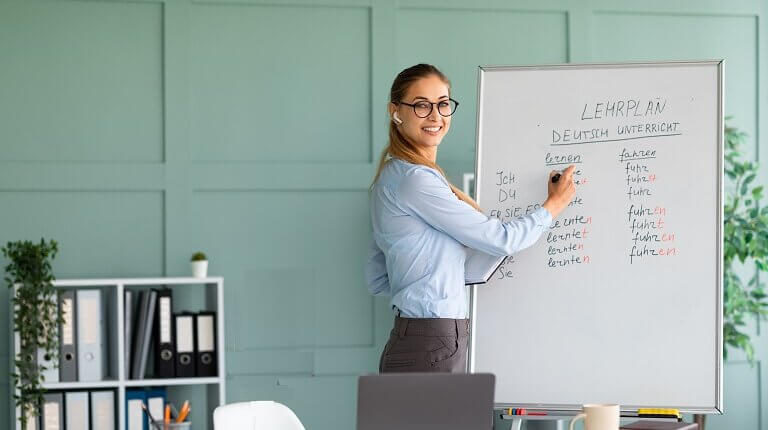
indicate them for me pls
(557, 421)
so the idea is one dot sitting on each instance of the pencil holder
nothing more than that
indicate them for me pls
(186, 425)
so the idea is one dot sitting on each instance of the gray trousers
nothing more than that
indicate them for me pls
(426, 345)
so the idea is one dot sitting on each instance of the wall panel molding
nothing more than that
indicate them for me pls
(81, 176)
(310, 102)
(281, 177)
(213, 177)
(86, 81)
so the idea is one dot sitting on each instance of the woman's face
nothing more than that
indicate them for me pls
(425, 133)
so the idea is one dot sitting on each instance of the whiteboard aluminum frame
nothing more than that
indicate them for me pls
(717, 408)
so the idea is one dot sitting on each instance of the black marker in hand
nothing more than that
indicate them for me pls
(555, 177)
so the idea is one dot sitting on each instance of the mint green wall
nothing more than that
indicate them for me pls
(135, 132)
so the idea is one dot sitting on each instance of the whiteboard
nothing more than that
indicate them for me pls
(620, 299)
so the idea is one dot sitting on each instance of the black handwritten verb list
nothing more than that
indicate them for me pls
(635, 125)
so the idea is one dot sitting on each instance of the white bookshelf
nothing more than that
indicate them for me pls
(117, 379)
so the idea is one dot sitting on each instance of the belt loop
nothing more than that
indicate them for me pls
(402, 326)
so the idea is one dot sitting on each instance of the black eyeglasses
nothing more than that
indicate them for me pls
(423, 108)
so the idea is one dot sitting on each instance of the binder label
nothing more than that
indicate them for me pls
(184, 335)
(135, 417)
(102, 416)
(89, 309)
(67, 332)
(51, 414)
(205, 333)
(165, 320)
(76, 411)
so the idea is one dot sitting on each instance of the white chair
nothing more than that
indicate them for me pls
(264, 415)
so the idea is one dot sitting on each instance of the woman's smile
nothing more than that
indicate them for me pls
(433, 130)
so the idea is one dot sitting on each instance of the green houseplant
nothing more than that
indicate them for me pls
(29, 276)
(745, 240)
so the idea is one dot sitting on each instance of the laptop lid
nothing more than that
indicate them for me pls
(425, 401)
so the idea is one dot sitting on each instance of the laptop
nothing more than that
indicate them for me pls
(425, 401)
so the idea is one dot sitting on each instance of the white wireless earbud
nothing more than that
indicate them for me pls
(396, 119)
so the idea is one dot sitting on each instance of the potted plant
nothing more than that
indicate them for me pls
(745, 240)
(35, 317)
(199, 265)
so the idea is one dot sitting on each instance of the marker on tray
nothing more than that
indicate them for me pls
(659, 413)
(523, 411)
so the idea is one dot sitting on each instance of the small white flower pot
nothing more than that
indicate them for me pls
(200, 269)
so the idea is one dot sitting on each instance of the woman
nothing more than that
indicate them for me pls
(422, 225)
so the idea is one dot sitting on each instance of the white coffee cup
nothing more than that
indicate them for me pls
(598, 417)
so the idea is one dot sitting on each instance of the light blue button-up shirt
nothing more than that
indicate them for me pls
(420, 234)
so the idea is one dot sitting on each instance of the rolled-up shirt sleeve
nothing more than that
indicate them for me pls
(425, 194)
(376, 276)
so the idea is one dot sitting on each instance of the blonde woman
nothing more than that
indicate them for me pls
(422, 226)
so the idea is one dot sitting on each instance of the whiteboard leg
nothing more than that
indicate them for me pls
(516, 424)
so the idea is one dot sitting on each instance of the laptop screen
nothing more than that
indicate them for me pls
(425, 401)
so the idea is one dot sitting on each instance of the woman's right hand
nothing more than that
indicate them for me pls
(561, 192)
